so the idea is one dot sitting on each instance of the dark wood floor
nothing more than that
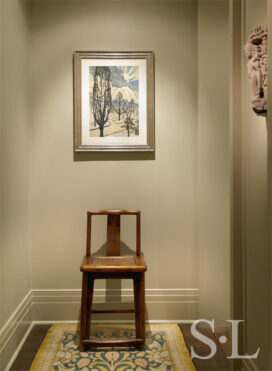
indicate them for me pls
(30, 348)
(218, 362)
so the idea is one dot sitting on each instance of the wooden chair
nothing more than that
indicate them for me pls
(113, 265)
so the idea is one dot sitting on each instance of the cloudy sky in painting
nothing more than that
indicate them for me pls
(122, 76)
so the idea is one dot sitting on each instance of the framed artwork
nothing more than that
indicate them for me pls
(114, 101)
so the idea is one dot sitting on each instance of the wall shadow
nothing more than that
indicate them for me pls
(113, 156)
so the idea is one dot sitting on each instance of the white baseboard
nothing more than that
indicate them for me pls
(249, 365)
(161, 304)
(184, 321)
(55, 306)
(15, 354)
(12, 335)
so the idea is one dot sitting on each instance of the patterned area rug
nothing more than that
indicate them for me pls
(165, 350)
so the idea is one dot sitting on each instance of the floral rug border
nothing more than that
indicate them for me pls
(176, 346)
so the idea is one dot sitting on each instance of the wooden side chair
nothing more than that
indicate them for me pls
(113, 265)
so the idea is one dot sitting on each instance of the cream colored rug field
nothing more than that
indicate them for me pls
(165, 350)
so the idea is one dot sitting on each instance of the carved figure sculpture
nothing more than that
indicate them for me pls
(256, 53)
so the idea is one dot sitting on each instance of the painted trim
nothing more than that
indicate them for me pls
(166, 295)
(14, 317)
(64, 304)
(249, 365)
(184, 321)
(46, 305)
(238, 215)
(15, 331)
(243, 176)
(15, 354)
(269, 166)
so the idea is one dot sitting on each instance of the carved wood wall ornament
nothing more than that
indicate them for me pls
(256, 53)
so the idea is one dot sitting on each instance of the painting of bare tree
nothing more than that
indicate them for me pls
(114, 101)
(101, 102)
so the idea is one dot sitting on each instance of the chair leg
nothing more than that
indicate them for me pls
(136, 306)
(142, 309)
(139, 300)
(86, 306)
(89, 304)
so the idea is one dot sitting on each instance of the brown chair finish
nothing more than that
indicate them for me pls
(113, 265)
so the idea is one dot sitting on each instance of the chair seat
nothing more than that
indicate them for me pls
(111, 264)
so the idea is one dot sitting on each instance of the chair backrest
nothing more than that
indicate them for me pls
(113, 230)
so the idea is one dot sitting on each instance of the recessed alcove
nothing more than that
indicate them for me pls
(185, 190)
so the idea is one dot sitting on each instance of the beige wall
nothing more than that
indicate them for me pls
(14, 177)
(182, 190)
(185, 221)
(64, 187)
(14, 262)
(213, 161)
(256, 237)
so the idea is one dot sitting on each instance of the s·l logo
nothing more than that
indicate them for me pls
(212, 345)
(204, 339)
